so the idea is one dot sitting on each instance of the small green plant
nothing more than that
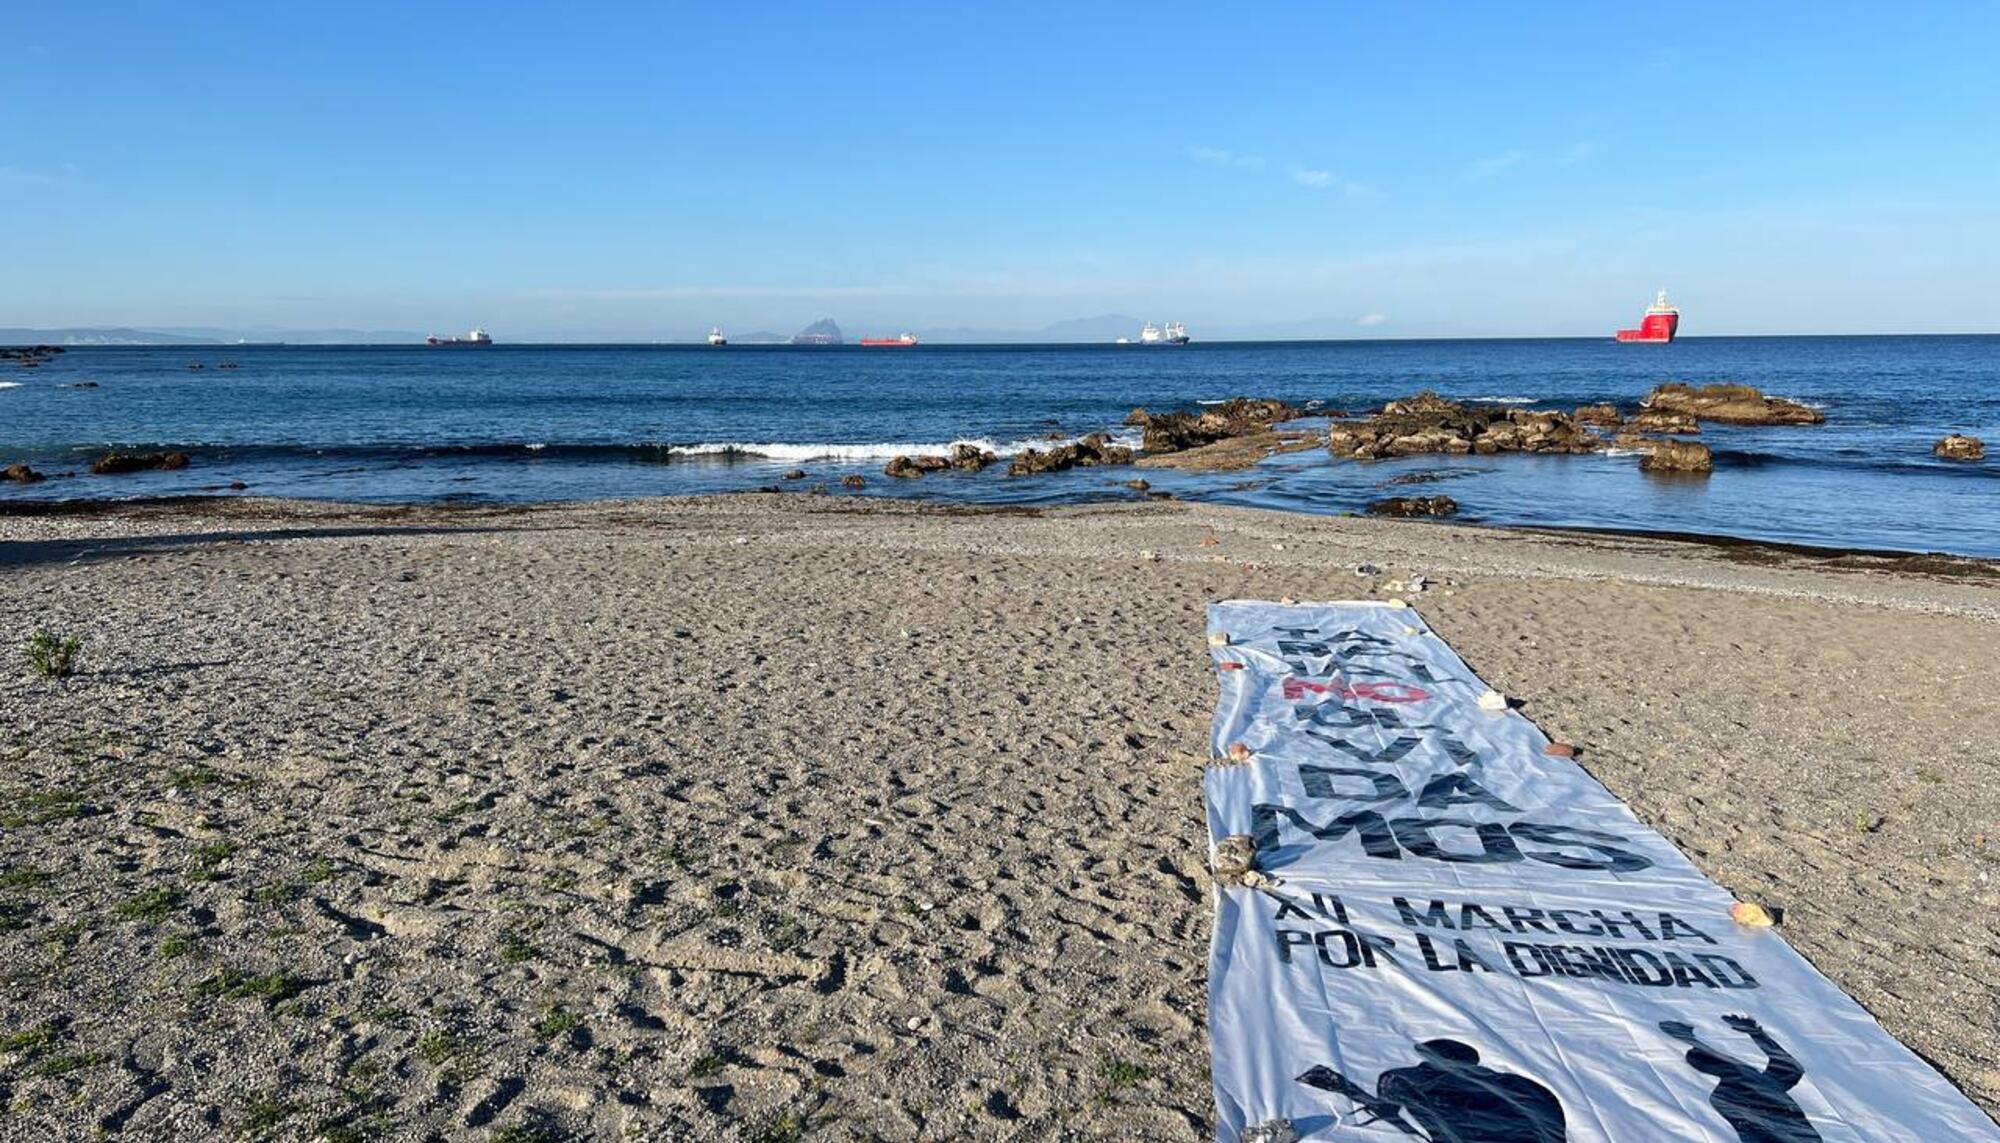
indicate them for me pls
(23, 877)
(1119, 1075)
(30, 1043)
(177, 945)
(515, 948)
(51, 656)
(557, 1022)
(708, 1064)
(786, 1128)
(264, 1112)
(154, 905)
(525, 1133)
(44, 808)
(438, 1047)
(270, 987)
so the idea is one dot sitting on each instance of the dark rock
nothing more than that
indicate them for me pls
(237, 486)
(1677, 456)
(1602, 416)
(855, 481)
(907, 467)
(79, 385)
(970, 457)
(1239, 416)
(1662, 421)
(1731, 405)
(1414, 506)
(1137, 485)
(1958, 446)
(117, 463)
(1095, 449)
(796, 474)
(21, 474)
(1428, 423)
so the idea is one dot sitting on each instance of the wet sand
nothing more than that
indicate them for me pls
(762, 817)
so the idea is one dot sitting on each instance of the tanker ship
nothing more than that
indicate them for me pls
(1658, 326)
(476, 337)
(903, 339)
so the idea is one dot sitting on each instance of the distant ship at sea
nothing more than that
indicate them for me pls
(715, 336)
(1173, 333)
(476, 337)
(902, 339)
(1659, 325)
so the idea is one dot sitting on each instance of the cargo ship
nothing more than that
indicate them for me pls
(1172, 333)
(715, 336)
(903, 339)
(476, 337)
(1658, 326)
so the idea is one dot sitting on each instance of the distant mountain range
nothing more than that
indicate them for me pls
(202, 335)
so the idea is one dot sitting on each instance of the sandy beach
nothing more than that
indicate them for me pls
(771, 817)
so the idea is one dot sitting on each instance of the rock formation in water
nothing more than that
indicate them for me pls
(1428, 423)
(1731, 405)
(1236, 417)
(118, 463)
(1095, 449)
(1677, 456)
(1958, 446)
(1414, 506)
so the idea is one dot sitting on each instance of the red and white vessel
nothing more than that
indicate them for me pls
(905, 339)
(1658, 326)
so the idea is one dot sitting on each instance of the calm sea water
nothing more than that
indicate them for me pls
(532, 423)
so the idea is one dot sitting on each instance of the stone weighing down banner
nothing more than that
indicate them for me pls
(1469, 940)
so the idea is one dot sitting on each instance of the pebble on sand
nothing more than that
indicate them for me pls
(1493, 701)
(1559, 750)
(1750, 915)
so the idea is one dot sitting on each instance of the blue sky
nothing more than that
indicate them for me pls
(1325, 169)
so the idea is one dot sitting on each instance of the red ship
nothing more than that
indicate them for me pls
(1658, 326)
(905, 339)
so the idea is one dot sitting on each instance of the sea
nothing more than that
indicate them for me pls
(535, 423)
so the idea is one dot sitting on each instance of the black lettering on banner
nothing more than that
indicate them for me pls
(1495, 846)
(1376, 838)
(1434, 917)
(1448, 790)
(1611, 857)
(1324, 905)
(1318, 781)
(1337, 948)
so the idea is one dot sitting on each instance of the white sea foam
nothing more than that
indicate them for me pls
(11, 384)
(1506, 400)
(877, 450)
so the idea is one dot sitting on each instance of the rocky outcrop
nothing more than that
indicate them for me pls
(1239, 416)
(1406, 506)
(970, 457)
(1731, 405)
(796, 474)
(1677, 456)
(1602, 416)
(118, 463)
(1958, 446)
(906, 467)
(854, 481)
(1662, 421)
(1428, 423)
(1095, 449)
(21, 474)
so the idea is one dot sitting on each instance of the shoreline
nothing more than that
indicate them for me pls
(1741, 548)
(694, 818)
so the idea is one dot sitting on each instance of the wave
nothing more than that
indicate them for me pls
(11, 384)
(1508, 400)
(774, 452)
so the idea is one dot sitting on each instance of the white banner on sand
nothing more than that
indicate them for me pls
(1459, 938)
